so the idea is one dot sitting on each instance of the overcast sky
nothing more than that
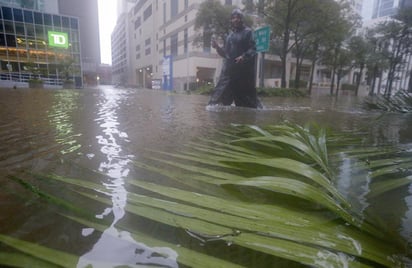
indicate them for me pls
(107, 21)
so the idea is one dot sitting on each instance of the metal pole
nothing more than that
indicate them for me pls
(144, 77)
(262, 70)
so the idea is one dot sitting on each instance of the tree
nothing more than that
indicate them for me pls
(376, 61)
(212, 19)
(360, 51)
(293, 23)
(249, 6)
(280, 16)
(320, 41)
(67, 69)
(396, 34)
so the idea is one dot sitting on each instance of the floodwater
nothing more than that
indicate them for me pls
(76, 133)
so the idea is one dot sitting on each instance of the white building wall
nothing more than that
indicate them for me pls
(159, 28)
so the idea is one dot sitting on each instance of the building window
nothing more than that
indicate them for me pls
(147, 41)
(66, 22)
(30, 30)
(173, 45)
(186, 40)
(147, 51)
(19, 28)
(7, 15)
(147, 13)
(137, 23)
(38, 18)
(8, 27)
(47, 19)
(2, 40)
(207, 39)
(164, 47)
(28, 16)
(174, 7)
(228, 2)
(73, 23)
(18, 14)
(11, 40)
(186, 3)
(56, 21)
(164, 13)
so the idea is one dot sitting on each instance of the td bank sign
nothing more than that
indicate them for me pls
(58, 39)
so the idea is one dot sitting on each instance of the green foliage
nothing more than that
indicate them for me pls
(302, 84)
(301, 25)
(67, 69)
(281, 92)
(35, 83)
(212, 19)
(264, 189)
(348, 87)
(34, 69)
(204, 89)
(394, 38)
(401, 102)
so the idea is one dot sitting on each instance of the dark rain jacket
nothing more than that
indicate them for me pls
(237, 80)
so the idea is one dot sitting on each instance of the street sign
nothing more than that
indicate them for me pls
(262, 37)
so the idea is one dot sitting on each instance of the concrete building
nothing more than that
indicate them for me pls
(48, 6)
(154, 33)
(385, 8)
(78, 19)
(87, 13)
(35, 44)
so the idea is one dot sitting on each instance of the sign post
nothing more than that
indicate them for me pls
(262, 38)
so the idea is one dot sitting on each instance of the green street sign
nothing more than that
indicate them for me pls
(262, 37)
(58, 39)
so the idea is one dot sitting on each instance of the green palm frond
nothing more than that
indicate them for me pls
(270, 190)
(401, 102)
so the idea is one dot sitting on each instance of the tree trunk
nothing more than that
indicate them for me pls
(332, 82)
(358, 79)
(312, 75)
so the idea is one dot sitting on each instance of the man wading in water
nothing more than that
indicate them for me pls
(237, 79)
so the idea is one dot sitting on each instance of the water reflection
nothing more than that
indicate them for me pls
(116, 247)
(60, 116)
(57, 131)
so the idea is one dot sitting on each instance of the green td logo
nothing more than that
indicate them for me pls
(58, 39)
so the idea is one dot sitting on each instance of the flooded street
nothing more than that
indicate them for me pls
(98, 134)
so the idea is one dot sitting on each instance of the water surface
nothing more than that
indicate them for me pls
(84, 133)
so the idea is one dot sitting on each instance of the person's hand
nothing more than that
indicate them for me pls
(239, 59)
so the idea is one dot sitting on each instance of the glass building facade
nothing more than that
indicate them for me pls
(34, 44)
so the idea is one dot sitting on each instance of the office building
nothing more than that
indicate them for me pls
(26, 44)
(385, 8)
(47, 6)
(87, 13)
(152, 45)
(36, 44)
